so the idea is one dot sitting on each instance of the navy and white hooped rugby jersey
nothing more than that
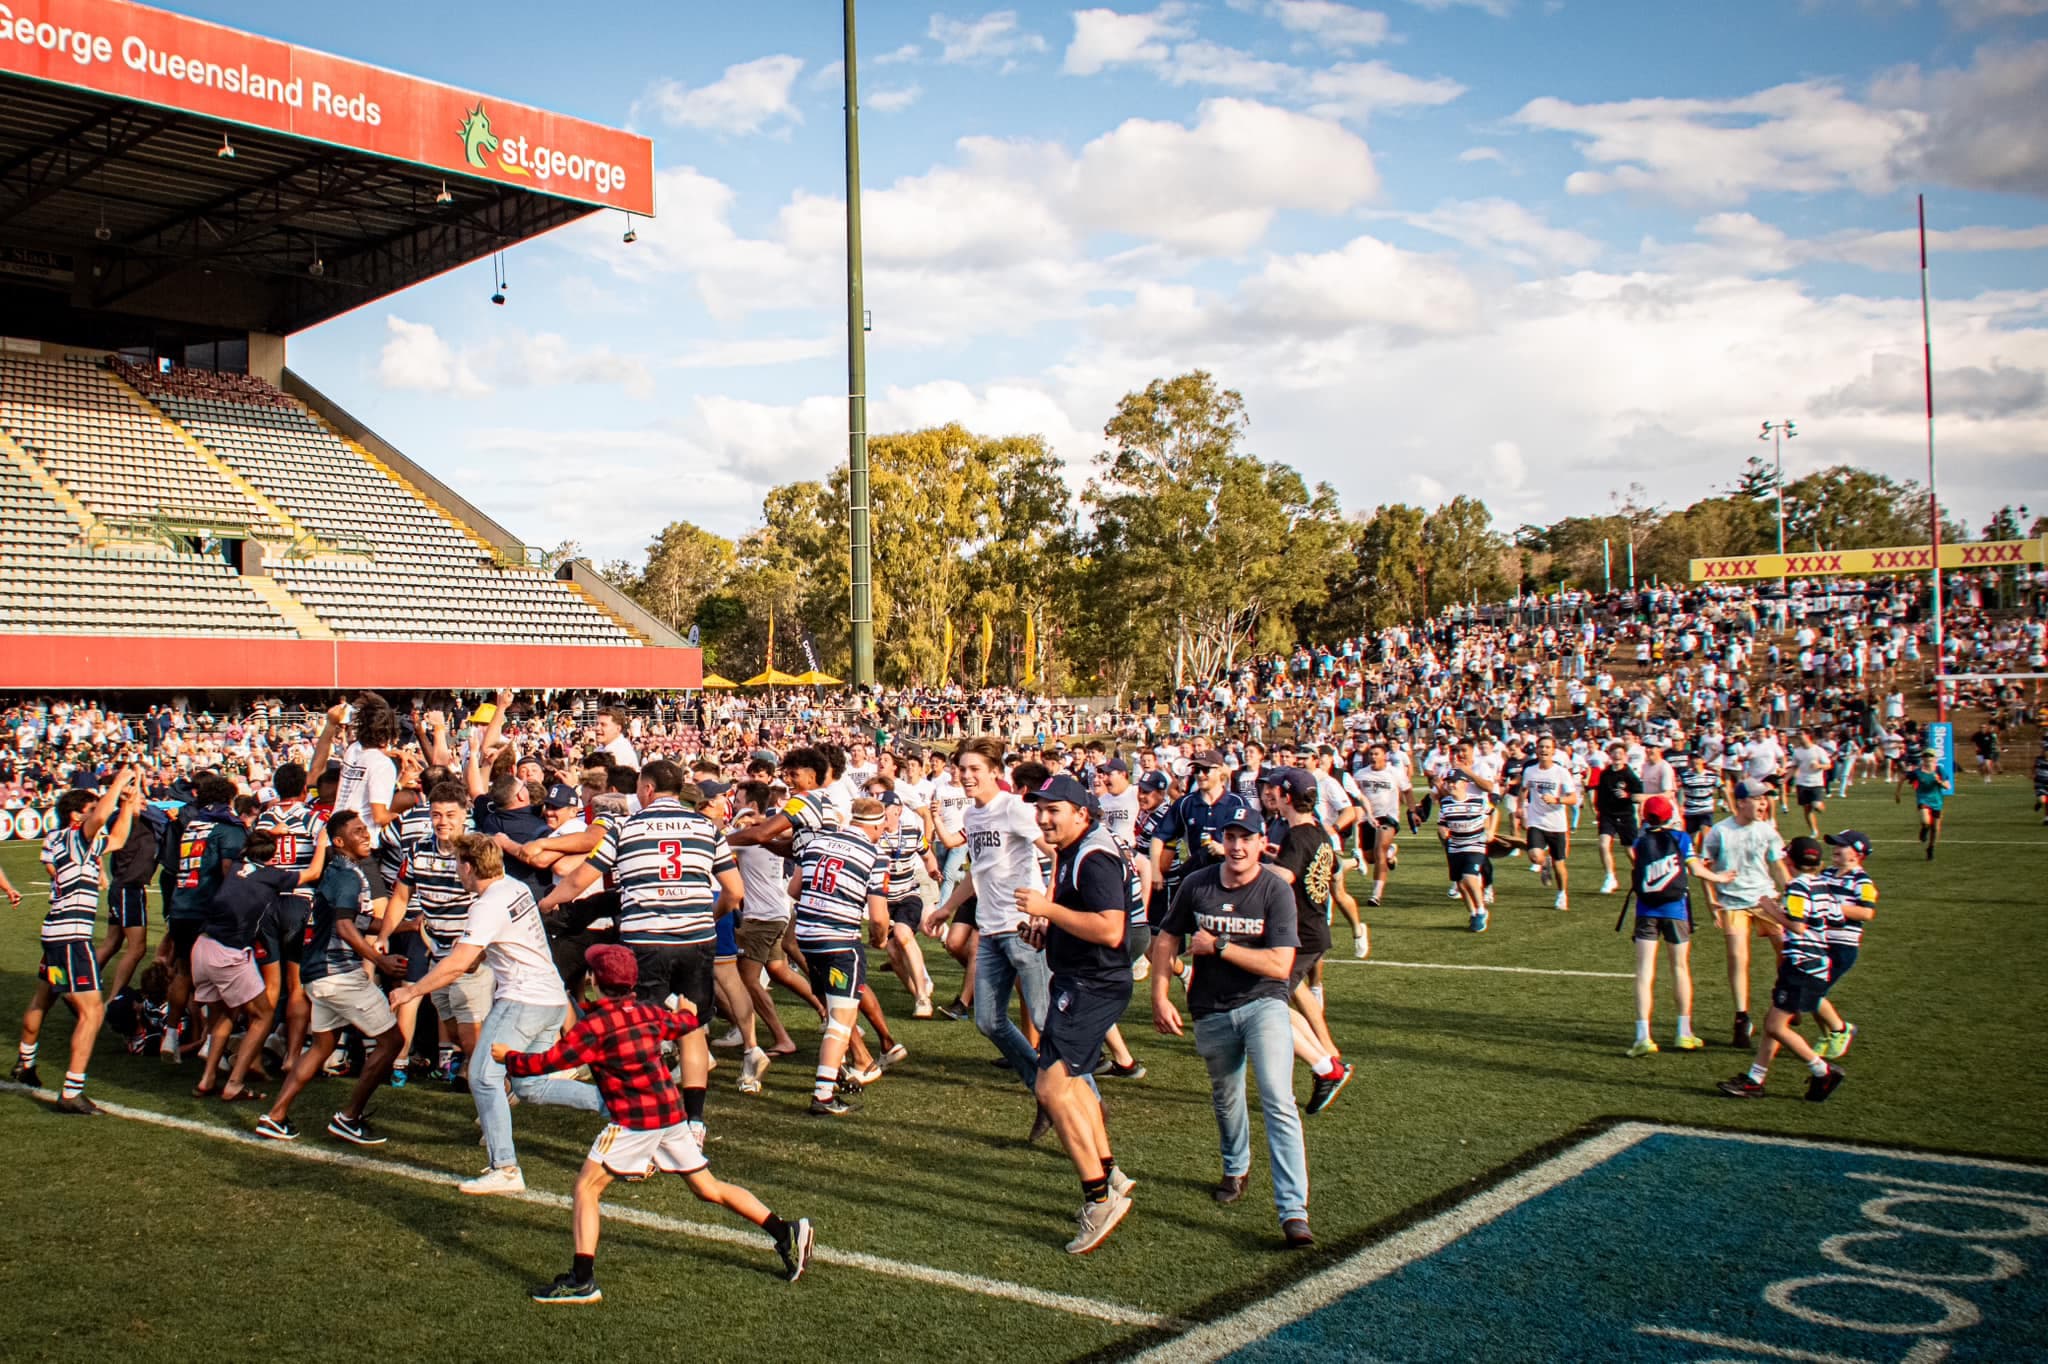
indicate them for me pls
(665, 861)
(73, 862)
(1838, 888)
(1463, 818)
(434, 890)
(902, 851)
(840, 870)
(297, 828)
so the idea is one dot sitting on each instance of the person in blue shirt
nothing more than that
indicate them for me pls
(1662, 857)
(1930, 789)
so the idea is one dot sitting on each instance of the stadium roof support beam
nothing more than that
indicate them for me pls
(68, 160)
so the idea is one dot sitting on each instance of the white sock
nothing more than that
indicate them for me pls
(1642, 1030)
(1817, 1066)
(1685, 1025)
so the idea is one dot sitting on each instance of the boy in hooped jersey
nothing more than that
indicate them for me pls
(1852, 903)
(1800, 925)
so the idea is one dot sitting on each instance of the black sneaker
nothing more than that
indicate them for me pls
(270, 1129)
(1820, 1086)
(354, 1131)
(834, 1107)
(1299, 1237)
(565, 1291)
(1230, 1188)
(1741, 1087)
(795, 1249)
(1041, 1124)
(80, 1106)
(25, 1075)
(953, 1012)
(1373, 902)
(1326, 1090)
(1745, 1037)
(1134, 1071)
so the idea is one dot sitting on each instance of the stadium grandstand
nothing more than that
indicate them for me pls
(178, 507)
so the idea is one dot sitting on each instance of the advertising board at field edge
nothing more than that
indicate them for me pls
(175, 62)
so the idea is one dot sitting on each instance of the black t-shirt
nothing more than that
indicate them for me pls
(1259, 914)
(135, 861)
(1306, 854)
(522, 825)
(1091, 879)
(241, 902)
(1613, 792)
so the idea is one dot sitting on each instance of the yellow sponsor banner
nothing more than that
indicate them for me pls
(1904, 559)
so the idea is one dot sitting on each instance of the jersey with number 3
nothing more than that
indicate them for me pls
(666, 861)
(839, 871)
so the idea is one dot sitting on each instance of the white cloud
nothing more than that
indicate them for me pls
(1105, 38)
(1741, 243)
(1356, 90)
(415, 357)
(1977, 13)
(1982, 126)
(1366, 283)
(1333, 24)
(1482, 154)
(1497, 8)
(747, 98)
(1508, 230)
(894, 100)
(993, 35)
(758, 352)
(1896, 384)
(1225, 68)
(906, 53)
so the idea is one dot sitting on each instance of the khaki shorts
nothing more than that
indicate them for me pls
(1733, 920)
(761, 939)
(347, 999)
(635, 1153)
(467, 998)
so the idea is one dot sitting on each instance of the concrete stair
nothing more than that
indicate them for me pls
(89, 528)
(614, 617)
(294, 532)
(484, 547)
(296, 613)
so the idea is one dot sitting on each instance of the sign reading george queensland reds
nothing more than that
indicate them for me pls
(175, 62)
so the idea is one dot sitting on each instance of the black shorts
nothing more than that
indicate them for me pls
(128, 906)
(1464, 864)
(1699, 824)
(681, 969)
(836, 970)
(907, 912)
(1304, 963)
(1621, 826)
(1389, 822)
(1078, 1017)
(419, 959)
(1666, 930)
(1557, 843)
(184, 932)
(1156, 906)
(1841, 960)
(964, 916)
(1796, 992)
(1812, 795)
(69, 968)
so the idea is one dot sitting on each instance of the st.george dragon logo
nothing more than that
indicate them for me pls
(484, 149)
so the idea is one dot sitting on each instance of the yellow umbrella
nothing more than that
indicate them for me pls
(715, 682)
(772, 678)
(814, 678)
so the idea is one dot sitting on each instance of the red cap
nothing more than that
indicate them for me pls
(615, 968)
(1657, 808)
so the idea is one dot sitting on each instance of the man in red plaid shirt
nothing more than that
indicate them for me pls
(620, 1040)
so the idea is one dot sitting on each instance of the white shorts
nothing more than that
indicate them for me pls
(347, 999)
(635, 1153)
(467, 998)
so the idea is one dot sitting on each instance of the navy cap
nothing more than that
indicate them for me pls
(1751, 790)
(1208, 757)
(1241, 815)
(714, 789)
(1154, 781)
(888, 798)
(1060, 787)
(562, 797)
(1115, 765)
(1295, 782)
(1850, 838)
(1803, 852)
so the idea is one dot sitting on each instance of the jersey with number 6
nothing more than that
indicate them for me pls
(666, 861)
(840, 870)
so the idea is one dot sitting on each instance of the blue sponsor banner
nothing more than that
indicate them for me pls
(1941, 737)
(1691, 1246)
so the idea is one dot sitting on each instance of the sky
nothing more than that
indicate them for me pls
(1531, 250)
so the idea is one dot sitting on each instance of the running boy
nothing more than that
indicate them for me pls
(1800, 925)
(1852, 903)
(1930, 789)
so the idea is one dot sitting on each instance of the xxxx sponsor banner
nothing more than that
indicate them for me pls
(1906, 559)
(169, 60)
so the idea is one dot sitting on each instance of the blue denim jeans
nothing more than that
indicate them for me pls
(952, 866)
(1002, 961)
(1258, 1031)
(522, 1027)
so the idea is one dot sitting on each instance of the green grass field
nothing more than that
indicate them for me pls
(126, 1237)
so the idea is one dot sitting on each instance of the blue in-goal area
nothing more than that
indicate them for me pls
(1649, 1243)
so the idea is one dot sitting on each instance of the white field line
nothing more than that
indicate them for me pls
(1468, 966)
(1234, 1332)
(1115, 1314)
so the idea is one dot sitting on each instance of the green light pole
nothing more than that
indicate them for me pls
(857, 389)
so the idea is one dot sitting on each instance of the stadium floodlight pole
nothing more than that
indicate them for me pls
(857, 389)
(1777, 433)
(1933, 502)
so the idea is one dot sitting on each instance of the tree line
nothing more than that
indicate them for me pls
(1183, 554)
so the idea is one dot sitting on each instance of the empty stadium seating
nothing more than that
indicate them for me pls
(388, 565)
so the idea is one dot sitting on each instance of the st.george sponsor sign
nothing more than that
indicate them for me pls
(165, 59)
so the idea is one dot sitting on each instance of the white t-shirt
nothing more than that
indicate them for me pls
(575, 824)
(1002, 852)
(505, 922)
(1747, 850)
(1813, 763)
(1659, 779)
(622, 753)
(1120, 816)
(766, 878)
(368, 777)
(1763, 758)
(952, 803)
(1545, 788)
(1382, 788)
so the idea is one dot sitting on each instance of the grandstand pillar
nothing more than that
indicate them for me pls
(266, 358)
(863, 621)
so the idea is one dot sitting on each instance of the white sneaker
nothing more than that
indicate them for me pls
(1609, 886)
(730, 1040)
(1562, 902)
(1098, 1220)
(922, 1008)
(170, 1047)
(1537, 868)
(696, 1131)
(1362, 944)
(1120, 1183)
(499, 1179)
(1489, 895)
(1451, 893)
(899, 1052)
(1141, 969)
(751, 1066)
